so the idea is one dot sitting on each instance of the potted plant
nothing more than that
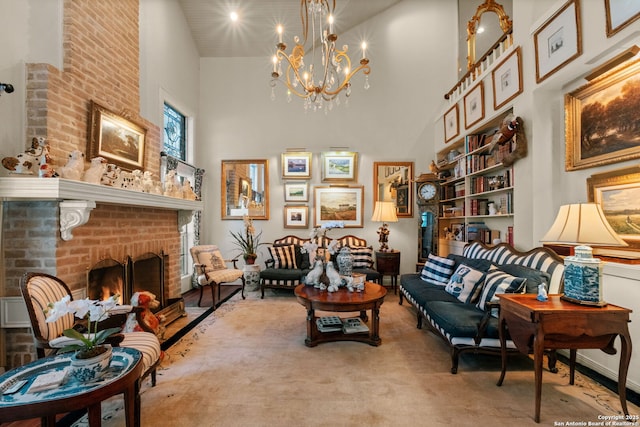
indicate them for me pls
(248, 241)
(91, 355)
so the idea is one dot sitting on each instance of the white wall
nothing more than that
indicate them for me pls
(392, 121)
(31, 31)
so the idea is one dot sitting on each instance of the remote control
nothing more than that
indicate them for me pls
(15, 387)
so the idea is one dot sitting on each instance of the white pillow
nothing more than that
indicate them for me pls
(465, 283)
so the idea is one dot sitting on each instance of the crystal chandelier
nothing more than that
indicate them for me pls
(329, 71)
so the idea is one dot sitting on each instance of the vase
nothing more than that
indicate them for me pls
(250, 259)
(92, 368)
(344, 260)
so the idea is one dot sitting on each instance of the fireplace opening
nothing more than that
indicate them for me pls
(106, 279)
(147, 274)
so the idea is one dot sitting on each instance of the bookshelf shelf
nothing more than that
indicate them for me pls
(474, 180)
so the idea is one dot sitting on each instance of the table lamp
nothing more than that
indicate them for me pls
(384, 212)
(585, 225)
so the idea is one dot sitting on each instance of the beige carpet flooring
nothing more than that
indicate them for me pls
(247, 365)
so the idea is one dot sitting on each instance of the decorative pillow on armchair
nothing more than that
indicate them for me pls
(465, 283)
(283, 256)
(362, 256)
(217, 262)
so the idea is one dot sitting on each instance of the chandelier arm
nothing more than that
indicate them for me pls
(292, 67)
(366, 70)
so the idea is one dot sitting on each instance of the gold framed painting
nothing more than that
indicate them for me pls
(451, 124)
(599, 124)
(339, 166)
(296, 165)
(118, 140)
(620, 14)
(507, 79)
(296, 191)
(474, 106)
(618, 192)
(343, 203)
(558, 41)
(296, 216)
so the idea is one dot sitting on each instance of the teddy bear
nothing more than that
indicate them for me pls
(74, 169)
(152, 321)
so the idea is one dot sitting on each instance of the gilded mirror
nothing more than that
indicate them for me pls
(483, 30)
(245, 189)
(392, 181)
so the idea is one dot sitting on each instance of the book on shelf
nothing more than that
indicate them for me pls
(510, 235)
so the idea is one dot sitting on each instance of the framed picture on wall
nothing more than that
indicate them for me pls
(339, 166)
(507, 79)
(618, 192)
(296, 192)
(474, 106)
(598, 129)
(339, 204)
(558, 41)
(118, 140)
(451, 124)
(296, 216)
(296, 165)
(620, 13)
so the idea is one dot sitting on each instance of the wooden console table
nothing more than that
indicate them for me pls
(557, 324)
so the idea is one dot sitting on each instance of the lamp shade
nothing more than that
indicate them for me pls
(582, 224)
(384, 212)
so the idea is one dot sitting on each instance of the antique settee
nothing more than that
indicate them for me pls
(288, 263)
(456, 295)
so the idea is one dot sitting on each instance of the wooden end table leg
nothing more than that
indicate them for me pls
(503, 348)
(375, 325)
(132, 405)
(625, 357)
(572, 365)
(312, 330)
(538, 356)
(95, 414)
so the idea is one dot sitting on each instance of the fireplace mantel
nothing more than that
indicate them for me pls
(77, 199)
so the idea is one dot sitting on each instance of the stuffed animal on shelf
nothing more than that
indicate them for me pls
(74, 169)
(149, 302)
(94, 174)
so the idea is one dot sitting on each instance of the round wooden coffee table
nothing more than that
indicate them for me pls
(342, 301)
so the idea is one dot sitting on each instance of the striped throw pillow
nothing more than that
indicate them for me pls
(283, 256)
(437, 270)
(499, 282)
(362, 256)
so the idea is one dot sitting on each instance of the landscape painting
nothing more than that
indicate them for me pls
(339, 204)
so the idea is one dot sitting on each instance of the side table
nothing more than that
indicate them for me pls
(121, 377)
(556, 324)
(388, 264)
(252, 276)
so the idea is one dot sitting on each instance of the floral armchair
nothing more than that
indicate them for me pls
(211, 270)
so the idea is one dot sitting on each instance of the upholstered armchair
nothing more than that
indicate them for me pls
(211, 270)
(40, 289)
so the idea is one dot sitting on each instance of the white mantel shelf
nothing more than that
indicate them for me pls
(78, 198)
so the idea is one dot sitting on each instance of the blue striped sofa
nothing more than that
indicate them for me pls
(273, 277)
(464, 326)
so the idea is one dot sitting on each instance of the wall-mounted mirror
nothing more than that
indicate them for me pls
(392, 181)
(245, 189)
(480, 30)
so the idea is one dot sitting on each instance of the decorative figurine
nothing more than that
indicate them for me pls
(74, 169)
(94, 174)
(542, 293)
(29, 161)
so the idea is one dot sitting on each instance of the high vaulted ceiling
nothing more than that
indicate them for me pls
(253, 34)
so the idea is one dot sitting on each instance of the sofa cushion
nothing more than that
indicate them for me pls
(282, 274)
(437, 270)
(455, 319)
(422, 292)
(362, 256)
(478, 264)
(465, 283)
(534, 277)
(498, 282)
(283, 256)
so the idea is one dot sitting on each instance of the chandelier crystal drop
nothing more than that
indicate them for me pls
(329, 69)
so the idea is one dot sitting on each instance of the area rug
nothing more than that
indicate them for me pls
(246, 365)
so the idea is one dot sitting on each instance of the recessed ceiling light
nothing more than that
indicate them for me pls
(234, 16)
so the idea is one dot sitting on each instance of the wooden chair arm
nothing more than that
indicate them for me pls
(482, 326)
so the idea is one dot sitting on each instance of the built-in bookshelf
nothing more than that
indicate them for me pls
(476, 189)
